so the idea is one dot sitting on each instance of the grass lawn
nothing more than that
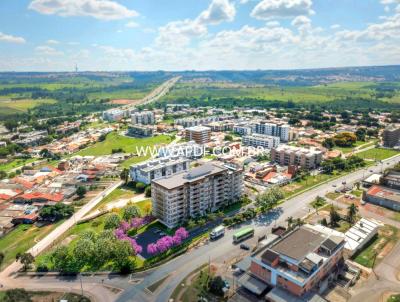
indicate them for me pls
(118, 193)
(386, 235)
(21, 239)
(377, 153)
(349, 149)
(333, 195)
(128, 144)
(192, 286)
(16, 163)
(309, 181)
(144, 206)
(15, 106)
(343, 227)
(134, 160)
(357, 193)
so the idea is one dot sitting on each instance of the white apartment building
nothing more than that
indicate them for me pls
(260, 140)
(143, 118)
(281, 131)
(157, 168)
(192, 194)
(242, 130)
(189, 150)
(113, 115)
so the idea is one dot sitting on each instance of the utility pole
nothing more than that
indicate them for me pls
(80, 277)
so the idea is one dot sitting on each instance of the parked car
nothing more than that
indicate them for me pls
(226, 284)
(244, 247)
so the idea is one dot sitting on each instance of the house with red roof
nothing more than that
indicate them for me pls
(39, 198)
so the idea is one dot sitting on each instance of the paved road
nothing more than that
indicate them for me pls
(52, 237)
(179, 267)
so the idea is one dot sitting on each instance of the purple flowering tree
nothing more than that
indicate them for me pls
(165, 243)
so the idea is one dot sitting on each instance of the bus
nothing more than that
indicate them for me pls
(243, 234)
(217, 232)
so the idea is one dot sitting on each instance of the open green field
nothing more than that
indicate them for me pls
(377, 153)
(8, 106)
(118, 193)
(16, 163)
(372, 253)
(21, 239)
(128, 144)
(319, 93)
(358, 144)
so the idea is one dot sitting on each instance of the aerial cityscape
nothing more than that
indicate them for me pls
(200, 150)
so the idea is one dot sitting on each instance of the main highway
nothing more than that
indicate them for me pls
(134, 287)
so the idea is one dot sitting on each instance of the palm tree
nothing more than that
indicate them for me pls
(351, 214)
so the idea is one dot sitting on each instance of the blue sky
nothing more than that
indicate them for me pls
(47, 35)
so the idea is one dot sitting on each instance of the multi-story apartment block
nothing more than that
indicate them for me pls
(242, 130)
(301, 261)
(143, 118)
(200, 134)
(113, 115)
(140, 131)
(391, 136)
(32, 138)
(282, 131)
(261, 140)
(289, 155)
(157, 168)
(191, 194)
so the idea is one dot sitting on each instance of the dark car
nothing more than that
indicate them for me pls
(244, 247)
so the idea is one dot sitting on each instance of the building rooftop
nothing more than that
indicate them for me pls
(384, 192)
(198, 128)
(193, 175)
(298, 244)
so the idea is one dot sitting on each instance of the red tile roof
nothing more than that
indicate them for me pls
(57, 197)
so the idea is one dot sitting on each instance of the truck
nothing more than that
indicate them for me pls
(217, 232)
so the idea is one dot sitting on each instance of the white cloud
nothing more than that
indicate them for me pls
(179, 33)
(48, 51)
(53, 42)
(99, 9)
(218, 11)
(269, 9)
(11, 39)
(132, 24)
(335, 26)
(386, 2)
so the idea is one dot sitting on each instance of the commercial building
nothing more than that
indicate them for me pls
(391, 136)
(360, 234)
(280, 130)
(261, 140)
(289, 155)
(157, 168)
(195, 193)
(143, 118)
(113, 115)
(383, 196)
(139, 131)
(200, 134)
(301, 261)
(391, 180)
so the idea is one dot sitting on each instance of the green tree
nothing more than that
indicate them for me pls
(334, 217)
(26, 259)
(2, 256)
(328, 143)
(140, 186)
(84, 252)
(130, 211)
(81, 191)
(122, 250)
(147, 191)
(125, 175)
(112, 221)
(56, 212)
(351, 213)
(228, 138)
(216, 286)
(290, 222)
